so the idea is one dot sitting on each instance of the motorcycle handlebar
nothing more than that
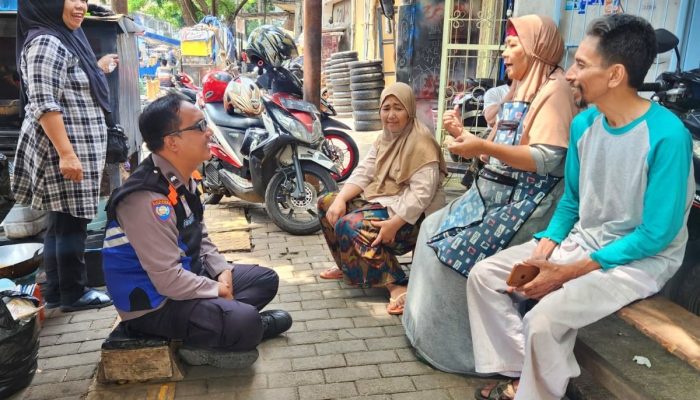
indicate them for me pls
(650, 87)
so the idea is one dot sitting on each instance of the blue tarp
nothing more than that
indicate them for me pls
(164, 39)
(230, 44)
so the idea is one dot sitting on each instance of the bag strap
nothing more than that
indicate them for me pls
(109, 120)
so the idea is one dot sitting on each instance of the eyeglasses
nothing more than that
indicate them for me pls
(200, 126)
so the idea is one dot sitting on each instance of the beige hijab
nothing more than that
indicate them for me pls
(400, 155)
(552, 104)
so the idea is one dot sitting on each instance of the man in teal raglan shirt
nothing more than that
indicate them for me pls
(619, 231)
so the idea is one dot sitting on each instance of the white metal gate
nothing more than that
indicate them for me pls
(471, 49)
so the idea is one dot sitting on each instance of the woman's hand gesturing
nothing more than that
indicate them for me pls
(467, 145)
(108, 63)
(452, 122)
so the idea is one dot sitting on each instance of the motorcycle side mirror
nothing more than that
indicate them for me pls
(665, 41)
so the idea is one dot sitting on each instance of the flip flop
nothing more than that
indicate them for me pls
(504, 390)
(332, 273)
(393, 308)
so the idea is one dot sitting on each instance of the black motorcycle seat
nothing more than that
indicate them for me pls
(220, 117)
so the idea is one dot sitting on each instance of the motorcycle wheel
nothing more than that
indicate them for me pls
(298, 217)
(342, 150)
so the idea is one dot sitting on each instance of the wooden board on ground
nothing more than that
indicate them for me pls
(228, 228)
(669, 324)
(223, 219)
(139, 365)
(231, 241)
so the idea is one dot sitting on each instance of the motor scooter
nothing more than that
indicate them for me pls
(273, 160)
(286, 88)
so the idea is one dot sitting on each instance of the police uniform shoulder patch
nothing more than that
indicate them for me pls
(162, 209)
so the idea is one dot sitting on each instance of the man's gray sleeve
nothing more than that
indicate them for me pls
(155, 242)
(548, 159)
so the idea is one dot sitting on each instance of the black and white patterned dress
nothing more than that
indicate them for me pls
(56, 82)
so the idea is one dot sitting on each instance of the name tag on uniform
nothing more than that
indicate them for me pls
(188, 211)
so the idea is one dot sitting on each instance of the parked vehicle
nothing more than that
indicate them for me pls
(184, 85)
(679, 91)
(470, 104)
(263, 159)
(338, 145)
(272, 50)
(184, 80)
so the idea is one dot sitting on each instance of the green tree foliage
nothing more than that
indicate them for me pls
(166, 10)
(187, 12)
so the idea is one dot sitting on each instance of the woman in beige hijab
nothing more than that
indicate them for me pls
(511, 199)
(400, 181)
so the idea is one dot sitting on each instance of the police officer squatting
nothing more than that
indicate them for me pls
(165, 275)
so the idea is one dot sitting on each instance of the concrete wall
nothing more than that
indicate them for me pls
(541, 7)
(691, 55)
(365, 41)
(337, 13)
(573, 20)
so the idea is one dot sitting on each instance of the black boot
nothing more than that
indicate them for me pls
(275, 322)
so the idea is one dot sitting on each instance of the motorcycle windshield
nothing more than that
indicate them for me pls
(299, 105)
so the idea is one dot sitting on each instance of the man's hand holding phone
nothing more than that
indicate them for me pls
(521, 274)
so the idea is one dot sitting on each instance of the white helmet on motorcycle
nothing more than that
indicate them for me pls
(242, 96)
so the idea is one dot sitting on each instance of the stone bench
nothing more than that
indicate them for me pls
(656, 328)
(130, 358)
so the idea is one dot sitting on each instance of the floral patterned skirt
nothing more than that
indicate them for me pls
(350, 242)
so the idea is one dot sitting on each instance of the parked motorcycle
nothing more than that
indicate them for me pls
(470, 104)
(679, 91)
(338, 146)
(184, 80)
(274, 54)
(264, 159)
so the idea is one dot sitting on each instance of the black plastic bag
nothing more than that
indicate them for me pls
(117, 147)
(19, 347)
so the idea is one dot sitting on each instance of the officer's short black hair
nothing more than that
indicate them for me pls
(628, 40)
(159, 118)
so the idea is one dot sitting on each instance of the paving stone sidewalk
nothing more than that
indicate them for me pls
(343, 344)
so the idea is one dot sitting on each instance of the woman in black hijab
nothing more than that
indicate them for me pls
(61, 150)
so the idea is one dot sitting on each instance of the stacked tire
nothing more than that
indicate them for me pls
(366, 85)
(338, 73)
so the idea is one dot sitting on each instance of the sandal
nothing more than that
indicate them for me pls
(394, 308)
(332, 273)
(503, 390)
(91, 299)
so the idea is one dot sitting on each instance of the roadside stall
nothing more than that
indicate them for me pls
(153, 48)
(207, 46)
